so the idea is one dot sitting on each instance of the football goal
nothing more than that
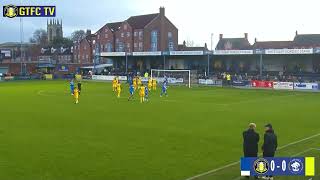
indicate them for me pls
(176, 77)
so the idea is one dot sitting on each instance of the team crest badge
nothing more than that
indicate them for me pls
(10, 11)
(295, 166)
(261, 166)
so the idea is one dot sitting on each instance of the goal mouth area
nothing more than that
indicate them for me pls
(174, 77)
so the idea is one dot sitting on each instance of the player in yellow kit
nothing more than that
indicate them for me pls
(142, 93)
(76, 95)
(139, 81)
(154, 84)
(135, 83)
(114, 84)
(118, 89)
(150, 84)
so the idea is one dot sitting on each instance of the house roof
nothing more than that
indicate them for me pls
(272, 44)
(233, 44)
(139, 22)
(114, 26)
(182, 47)
(307, 40)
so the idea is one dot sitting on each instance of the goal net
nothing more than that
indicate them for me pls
(175, 77)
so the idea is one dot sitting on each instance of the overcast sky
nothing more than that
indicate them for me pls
(195, 19)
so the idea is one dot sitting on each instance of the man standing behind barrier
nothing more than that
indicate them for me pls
(250, 142)
(229, 79)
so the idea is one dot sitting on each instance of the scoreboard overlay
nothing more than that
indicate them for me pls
(278, 166)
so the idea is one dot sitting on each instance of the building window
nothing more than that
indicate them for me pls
(119, 47)
(154, 40)
(135, 34)
(106, 30)
(128, 34)
(125, 27)
(122, 34)
(140, 46)
(140, 35)
(106, 35)
(170, 42)
(108, 47)
(171, 46)
(135, 45)
(85, 47)
(98, 37)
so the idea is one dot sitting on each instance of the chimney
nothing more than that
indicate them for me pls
(296, 33)
(246, 36)
(162, 11)
(220, 36)
(88, 32)
(184, 43)
(205, 46)
(255, 40)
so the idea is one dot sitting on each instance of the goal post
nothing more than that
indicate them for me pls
(174, 76)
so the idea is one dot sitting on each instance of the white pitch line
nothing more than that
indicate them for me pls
(237, 162)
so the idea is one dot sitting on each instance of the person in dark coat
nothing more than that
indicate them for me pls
(270, 143)
(250, 141)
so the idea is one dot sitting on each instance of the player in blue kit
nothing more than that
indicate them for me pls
(131, 91)
(146, 92)
(71, 87)
(164, 88)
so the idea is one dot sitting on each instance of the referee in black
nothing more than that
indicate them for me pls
(250, 142)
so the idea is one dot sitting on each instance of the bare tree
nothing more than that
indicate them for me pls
(40, 37)
(78, 35)
(189, 43)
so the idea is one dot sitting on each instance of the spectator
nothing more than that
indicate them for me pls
(250, 142)
(270, 143)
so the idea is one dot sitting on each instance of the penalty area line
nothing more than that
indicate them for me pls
(237, 162)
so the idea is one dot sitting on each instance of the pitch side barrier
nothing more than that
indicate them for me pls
(278, 85)
(40, 77)
(143, 79)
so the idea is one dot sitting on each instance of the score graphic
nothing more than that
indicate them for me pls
(279, 166)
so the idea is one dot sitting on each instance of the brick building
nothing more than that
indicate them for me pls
(83, 50)
(144, 33)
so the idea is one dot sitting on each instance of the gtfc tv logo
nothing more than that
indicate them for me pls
(12, 11)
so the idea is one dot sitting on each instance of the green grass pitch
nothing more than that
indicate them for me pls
(45, 136)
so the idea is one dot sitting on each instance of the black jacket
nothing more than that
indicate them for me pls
(250, 143)
(270, 142)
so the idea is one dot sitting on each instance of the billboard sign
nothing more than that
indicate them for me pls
(289, 51)
(6, 53)
(112, 54)
(262, 84)
(233, 52)
(283, 85)
(306, 86)
(186, 53)
(156, 53)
